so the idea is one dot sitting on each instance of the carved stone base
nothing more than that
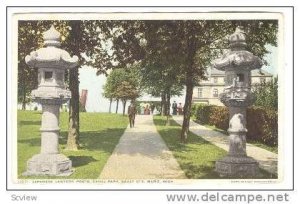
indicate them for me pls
(49, 164)
(237, 167)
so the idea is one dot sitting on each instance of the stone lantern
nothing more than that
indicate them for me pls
(51, 62)
(237, 96)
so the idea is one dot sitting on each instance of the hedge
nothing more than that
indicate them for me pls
(262, 124)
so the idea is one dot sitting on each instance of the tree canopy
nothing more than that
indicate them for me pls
(171, 53)
(187, 47)
(122, 84)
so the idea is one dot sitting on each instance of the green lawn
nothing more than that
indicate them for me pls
(100, 133)
(197, 157)
(273, 149)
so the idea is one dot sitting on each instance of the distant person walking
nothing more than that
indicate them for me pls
(131, 114)
(152, 107)
(174, 108)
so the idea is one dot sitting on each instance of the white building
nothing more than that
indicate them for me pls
(208, 90)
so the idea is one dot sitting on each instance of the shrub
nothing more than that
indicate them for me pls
(219, 117)
(270, 129)
(255, 116)
(194, 109)
(262, 124)
(202, 113)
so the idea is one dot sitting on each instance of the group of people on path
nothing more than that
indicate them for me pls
(132, 111)
(147, 110)
(177, 109)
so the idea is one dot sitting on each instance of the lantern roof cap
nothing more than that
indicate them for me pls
(237, 39)
(52, 37)
(237, 57)
(51, 56)
(238, 60)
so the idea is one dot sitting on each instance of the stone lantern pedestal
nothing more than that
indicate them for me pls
(237, 96)
(51, 62)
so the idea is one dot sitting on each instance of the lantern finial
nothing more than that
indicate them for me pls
(52, 37)
(238, 38)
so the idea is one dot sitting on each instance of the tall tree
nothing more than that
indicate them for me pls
(196, 39)
(126, 91)
(74, 46)
(160, 72)
(186, 46)
(108, 93)
(114, 78)
(161, 82)
(87, 40)
(122, 84)
(202, 41)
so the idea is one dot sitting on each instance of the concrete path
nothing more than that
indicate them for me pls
(142, 154)
(267, 160)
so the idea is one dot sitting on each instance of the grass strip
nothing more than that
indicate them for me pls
(99, 134)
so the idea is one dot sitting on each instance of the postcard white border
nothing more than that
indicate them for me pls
(285, 45)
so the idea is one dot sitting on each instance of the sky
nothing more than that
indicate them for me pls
(94, 84)
(95, 100)
(272, 59)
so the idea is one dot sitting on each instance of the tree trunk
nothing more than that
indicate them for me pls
(110, 101)
(73, 135)
(166, 105)
(124, 106)
(163, 102)
(187, 112)
(168, 98)
(189, 70)
(24, 97)
(117, 107)
(23, 85)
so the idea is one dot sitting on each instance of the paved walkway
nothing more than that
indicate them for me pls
(267, 160)
(142, 154)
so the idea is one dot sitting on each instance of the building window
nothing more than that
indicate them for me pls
(199, 92)
(262, 80)
(215, 80)
(215, 93)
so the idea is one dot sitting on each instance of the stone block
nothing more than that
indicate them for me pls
(237, 167)
(49, 164)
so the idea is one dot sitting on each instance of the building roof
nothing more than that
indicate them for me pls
(260, 72)
(256, 72)
(216, 72)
